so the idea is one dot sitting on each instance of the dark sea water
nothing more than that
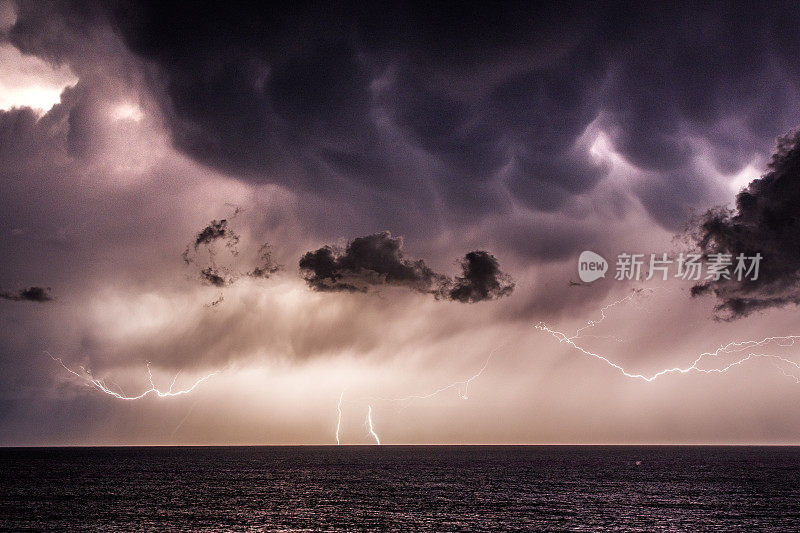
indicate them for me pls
(387, 488)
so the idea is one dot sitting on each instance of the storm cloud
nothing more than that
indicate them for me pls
(481, 279)
(31, 294)
(462, 114)
(371, 260)
(378, 260)
(479, 106)
(766, 220)
(532, 132)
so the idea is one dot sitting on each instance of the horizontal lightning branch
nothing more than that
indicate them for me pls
(462, 388)
(733, 347)
(153, 390)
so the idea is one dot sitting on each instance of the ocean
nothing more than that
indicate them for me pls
(400, 488)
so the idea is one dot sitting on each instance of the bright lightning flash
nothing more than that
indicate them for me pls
(371, 427)
(730, 348)
(101, 386)
(339, 422)
(462, 387)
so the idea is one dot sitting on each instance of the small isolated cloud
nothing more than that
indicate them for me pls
(378, 259)
(217, 301)
(214, 277)
(31, 294)
(225, 273)
(266, 266)
(216, 230)
(766, 220)
(481, 280)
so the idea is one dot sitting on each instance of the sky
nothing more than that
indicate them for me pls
(288, 218)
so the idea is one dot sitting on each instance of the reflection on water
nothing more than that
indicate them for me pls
(443, 488)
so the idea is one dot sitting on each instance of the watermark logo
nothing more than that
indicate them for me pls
(694, 267)
(591, 266)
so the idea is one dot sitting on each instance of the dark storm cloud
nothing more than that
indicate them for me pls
(378, 260)
(481, 280)
(343, 100)
(31, 294)
(766, 221)
(483, 106)
(372, 260)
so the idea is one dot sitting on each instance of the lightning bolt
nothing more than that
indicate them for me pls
(462, 386)
(594, 323)
(101, 386)
(183, 420)
(339, 422)
(371, 427)
(730, 348)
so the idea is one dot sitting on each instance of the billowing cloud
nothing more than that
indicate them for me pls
(31, 294)
(378, 260)
(533, 132)
(480, 119)
(372, 260)
(766, 221)
(481, 280)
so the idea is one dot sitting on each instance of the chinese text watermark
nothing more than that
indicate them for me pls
(690, 267)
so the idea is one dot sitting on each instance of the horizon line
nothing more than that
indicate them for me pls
(368, 445)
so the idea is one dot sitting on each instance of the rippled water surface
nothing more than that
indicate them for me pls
(387, 488)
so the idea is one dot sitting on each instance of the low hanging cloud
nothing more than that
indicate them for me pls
(378, 259)
(372, 260)
(217, 301)
(766, 220)
(214, 277)
(31, 294)
(216, 230)
(481, 280)
(266, 266)
(223, 276)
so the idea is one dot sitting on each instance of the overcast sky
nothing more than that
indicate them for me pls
(376, 203)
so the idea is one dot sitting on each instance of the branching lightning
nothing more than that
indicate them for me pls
(371, 427)
(100, 385)
(462, 388)
(339, 422)
(593, 323)
(747, 350)
(730, 348)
